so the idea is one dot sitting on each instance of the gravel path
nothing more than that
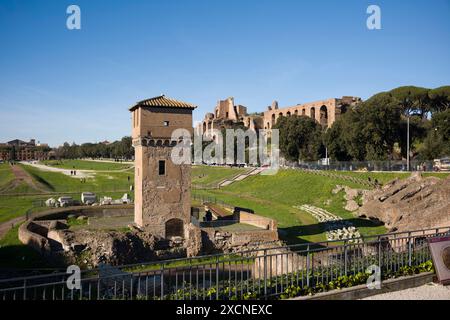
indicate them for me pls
(430, 291)
(80, 173)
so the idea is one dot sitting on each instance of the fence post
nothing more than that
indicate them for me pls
(217, 278)
(345, 258)
(409, 249)
(379, 253)
(307, 266)
(265, 273)
(25, 289)
(162, 281)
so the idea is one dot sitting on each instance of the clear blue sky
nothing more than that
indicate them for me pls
(60, 85)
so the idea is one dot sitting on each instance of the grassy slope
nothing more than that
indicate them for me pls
(6, 175)
(275, 196)
(209, 175)
(86, 165)
(14, 254)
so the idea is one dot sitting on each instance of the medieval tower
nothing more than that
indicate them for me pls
(162, 188)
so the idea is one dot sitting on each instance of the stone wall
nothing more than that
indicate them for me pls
(257, 221)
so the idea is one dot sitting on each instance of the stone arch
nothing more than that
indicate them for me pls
(268, 125)
(280, 114)
(296, 112)
(174, 228)
(159, 143)
(312, 113)
(303, 112)
(323, 116)
(273, 119)
(288, 114)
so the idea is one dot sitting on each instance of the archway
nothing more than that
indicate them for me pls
(273, 119)
(323, 116)
(288, 114)
(174, 228)
(312, 113)
(303, 112)
(296, 112)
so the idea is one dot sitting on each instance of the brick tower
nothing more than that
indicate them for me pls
(162, 188)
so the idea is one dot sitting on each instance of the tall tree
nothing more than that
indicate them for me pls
(300, 138)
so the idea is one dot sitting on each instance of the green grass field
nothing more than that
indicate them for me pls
(6, 175)
(275, 196)
(270, 196)
(87, 165)
(211, 176)
(14, 254)
(101, 181)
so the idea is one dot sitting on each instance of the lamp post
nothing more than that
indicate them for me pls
(407, 145)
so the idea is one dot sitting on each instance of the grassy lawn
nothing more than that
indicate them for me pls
(101, 181)
(6, 175)
(210, 175)
(87, 165)
(275, 196)
(14, 254)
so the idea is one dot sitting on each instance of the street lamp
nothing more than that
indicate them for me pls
(407, 145)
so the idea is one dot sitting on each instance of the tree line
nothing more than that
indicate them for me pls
(121, 149)
(375, 129)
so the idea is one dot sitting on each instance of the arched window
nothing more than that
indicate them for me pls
(323, 116)
(312, 113)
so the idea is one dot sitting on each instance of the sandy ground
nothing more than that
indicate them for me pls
(80, 173)
(430, 291)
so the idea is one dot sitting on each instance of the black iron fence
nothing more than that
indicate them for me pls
(253, 274)
(393, 165)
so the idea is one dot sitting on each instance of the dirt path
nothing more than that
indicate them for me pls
(21, 176)
(80, 173)
(8, 225)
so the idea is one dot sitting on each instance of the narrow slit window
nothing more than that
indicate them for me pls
(166, 123)
(162, 167)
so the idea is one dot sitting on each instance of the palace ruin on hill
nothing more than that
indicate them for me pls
(226, 114)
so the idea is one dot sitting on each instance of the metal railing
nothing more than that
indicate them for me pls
(258, 274)
(390, 165)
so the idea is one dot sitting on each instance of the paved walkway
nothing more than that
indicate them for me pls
(430, 291)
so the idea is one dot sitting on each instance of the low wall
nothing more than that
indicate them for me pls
(257, 221)
(89, 211)
(34, 232)
(361, 291)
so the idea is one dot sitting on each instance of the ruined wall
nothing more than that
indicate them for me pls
(215, 240)
(257, 221)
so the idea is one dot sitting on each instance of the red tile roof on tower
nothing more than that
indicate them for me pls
(163, 101)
